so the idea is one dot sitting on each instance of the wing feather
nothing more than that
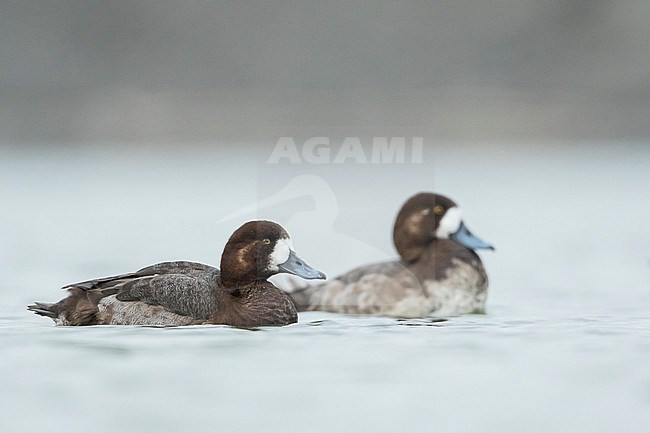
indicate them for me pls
(186, 295)
(181, 287)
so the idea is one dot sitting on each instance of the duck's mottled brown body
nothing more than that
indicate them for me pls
(438, 275)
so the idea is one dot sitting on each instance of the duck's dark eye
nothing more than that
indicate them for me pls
(266, 241)
(438, 210)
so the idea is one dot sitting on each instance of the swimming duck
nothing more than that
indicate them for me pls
(439, 273)
(187, 293)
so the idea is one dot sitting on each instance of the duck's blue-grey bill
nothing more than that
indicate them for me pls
(297, 266)
(464, 237)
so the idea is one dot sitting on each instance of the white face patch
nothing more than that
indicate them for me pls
(450, 223)
(280, 254)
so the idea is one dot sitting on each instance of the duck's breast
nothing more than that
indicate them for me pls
(454, 279)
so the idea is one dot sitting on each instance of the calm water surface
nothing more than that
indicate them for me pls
(564, 347)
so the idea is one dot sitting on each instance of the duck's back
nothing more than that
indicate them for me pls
(453, 278)
(165, 294)
(388, 289)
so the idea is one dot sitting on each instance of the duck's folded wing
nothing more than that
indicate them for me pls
(388, 269)
(364, 290)
(185, 288)
(180, 267)
(107, 283)
(193, 296)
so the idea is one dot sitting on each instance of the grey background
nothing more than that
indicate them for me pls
(197, 71)
(130, 131)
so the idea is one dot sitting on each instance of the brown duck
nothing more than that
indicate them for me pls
(187, 293)
(438, 274)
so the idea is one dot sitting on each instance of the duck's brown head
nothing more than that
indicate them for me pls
(426, 217)
(258, 250)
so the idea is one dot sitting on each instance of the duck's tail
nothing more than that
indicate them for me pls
(78, 309)
(45, 309)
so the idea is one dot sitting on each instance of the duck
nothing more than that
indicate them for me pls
(181, 293)
(438, 273)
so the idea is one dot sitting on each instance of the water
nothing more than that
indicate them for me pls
(564, 346)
